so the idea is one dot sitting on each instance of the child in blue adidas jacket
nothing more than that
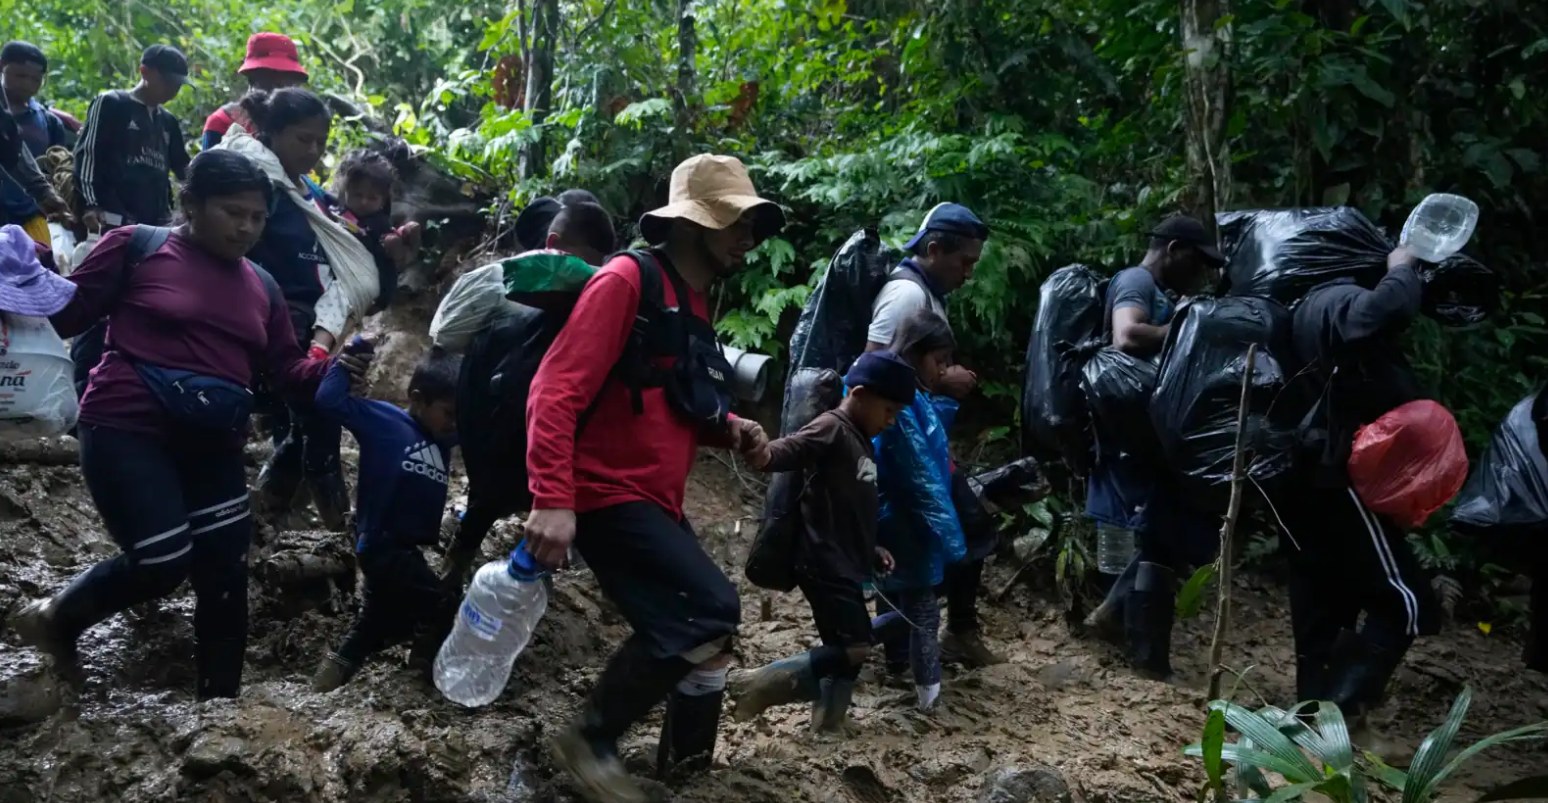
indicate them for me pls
(400, 497)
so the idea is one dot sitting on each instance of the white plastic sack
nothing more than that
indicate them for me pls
(467, 307)
(37, 389)
(62, 243)
(83, 249)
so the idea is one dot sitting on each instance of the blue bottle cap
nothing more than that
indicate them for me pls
(523, 566)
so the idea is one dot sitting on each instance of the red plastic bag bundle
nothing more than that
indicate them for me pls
(1409, 463)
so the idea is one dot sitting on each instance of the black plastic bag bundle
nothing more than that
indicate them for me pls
(1281, 254)
(1509, 486)
(832, 329)
(1053, 411)
(1459, 291)
(1117, 387)
(1199, 389)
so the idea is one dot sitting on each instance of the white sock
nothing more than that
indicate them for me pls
(701, 682)
(928, 695)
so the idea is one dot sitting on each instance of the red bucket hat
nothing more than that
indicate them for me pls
(272, 51)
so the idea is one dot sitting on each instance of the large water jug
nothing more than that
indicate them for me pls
(494, 624)
(1439, 226)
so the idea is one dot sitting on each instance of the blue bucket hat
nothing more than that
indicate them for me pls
(951, 219)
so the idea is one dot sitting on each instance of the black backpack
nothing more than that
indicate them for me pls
(500, 362)
(86, 348)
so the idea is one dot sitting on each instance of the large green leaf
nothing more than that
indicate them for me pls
(1424, 773)
(1191, 598)
(1266, 736)
(1214, 741)
(1537, 732)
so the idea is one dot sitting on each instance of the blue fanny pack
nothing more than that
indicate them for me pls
(198, 399)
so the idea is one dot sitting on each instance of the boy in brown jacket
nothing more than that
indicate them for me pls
(836, 553)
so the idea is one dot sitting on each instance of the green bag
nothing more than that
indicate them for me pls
(545, 278)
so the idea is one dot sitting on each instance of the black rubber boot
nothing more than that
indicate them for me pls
(279, 479)
(631, 685)
(332, 673)
(220, 667)
(1148, 617)
(331, 496)
(694, 729)
(830, 714)
(1357, 681)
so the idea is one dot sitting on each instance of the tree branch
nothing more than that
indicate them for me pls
(1228, 534)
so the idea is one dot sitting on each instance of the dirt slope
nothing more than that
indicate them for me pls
(132, 732)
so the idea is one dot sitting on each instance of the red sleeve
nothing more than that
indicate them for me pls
(293, 374)
(219, 121)
(571, 376)
(98, 282)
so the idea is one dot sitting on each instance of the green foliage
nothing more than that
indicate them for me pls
(1317, 758)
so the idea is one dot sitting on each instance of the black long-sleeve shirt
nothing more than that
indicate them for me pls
(125, 154)
(1345, 340)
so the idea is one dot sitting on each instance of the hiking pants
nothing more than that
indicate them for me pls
(177, 507)
(1346, 560)
(401, 596)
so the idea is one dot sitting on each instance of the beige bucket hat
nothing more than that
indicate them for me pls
(714, 192)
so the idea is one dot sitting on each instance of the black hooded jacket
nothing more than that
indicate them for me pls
(1351, 369)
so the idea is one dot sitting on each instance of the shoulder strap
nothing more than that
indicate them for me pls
(910, 276)
(270, 285)
(145, 240)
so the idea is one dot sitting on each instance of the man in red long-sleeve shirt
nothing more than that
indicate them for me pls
(608, 461)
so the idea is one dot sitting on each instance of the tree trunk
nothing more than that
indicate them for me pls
(1207, 78)
(540, 80)
(686, 93)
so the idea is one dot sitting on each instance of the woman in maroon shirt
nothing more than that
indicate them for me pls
(192, 322)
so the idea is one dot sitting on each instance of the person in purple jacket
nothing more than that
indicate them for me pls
(192, 322)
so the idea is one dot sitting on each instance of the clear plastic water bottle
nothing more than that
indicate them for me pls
(494, 624)
(1439, 226)
(1115, 548)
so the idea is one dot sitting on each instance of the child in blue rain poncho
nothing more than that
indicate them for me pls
(919, 524)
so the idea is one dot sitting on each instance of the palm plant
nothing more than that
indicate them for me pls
(1317, 757)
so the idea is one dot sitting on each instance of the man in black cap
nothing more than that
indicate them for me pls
(533, 223)
(1125, 494)
(943, 253)
(130, 145)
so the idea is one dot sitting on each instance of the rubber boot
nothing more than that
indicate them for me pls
(969, 650)
(332, 673)
(331, 496)
(694, 730)
(37, 627)
(1356, 682)
(779, 683)
(220, 667)
(830, 714)
(1106, 621)
(279, 479)
(1148, 617)
(587, 750)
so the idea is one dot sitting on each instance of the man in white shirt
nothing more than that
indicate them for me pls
(949, 243)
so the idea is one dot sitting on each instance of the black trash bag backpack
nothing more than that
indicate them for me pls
(1053, 408)
(1117, 387)
(1508, 488)
(1282, 254)
(1198, 394)
(831, 332)
(1459, 291)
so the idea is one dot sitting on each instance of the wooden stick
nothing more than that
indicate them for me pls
(1228, 533)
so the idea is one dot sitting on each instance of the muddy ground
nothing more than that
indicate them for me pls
(129, 729)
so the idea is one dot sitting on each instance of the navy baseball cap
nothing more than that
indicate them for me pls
(952, 219)
(167, 60)
(885, 374)
(1189, 231)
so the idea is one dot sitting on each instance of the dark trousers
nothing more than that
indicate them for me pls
(1346, 560)
(401, 595)
(838, 611)
(178, 509)
(672, 593)
(306, 445)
